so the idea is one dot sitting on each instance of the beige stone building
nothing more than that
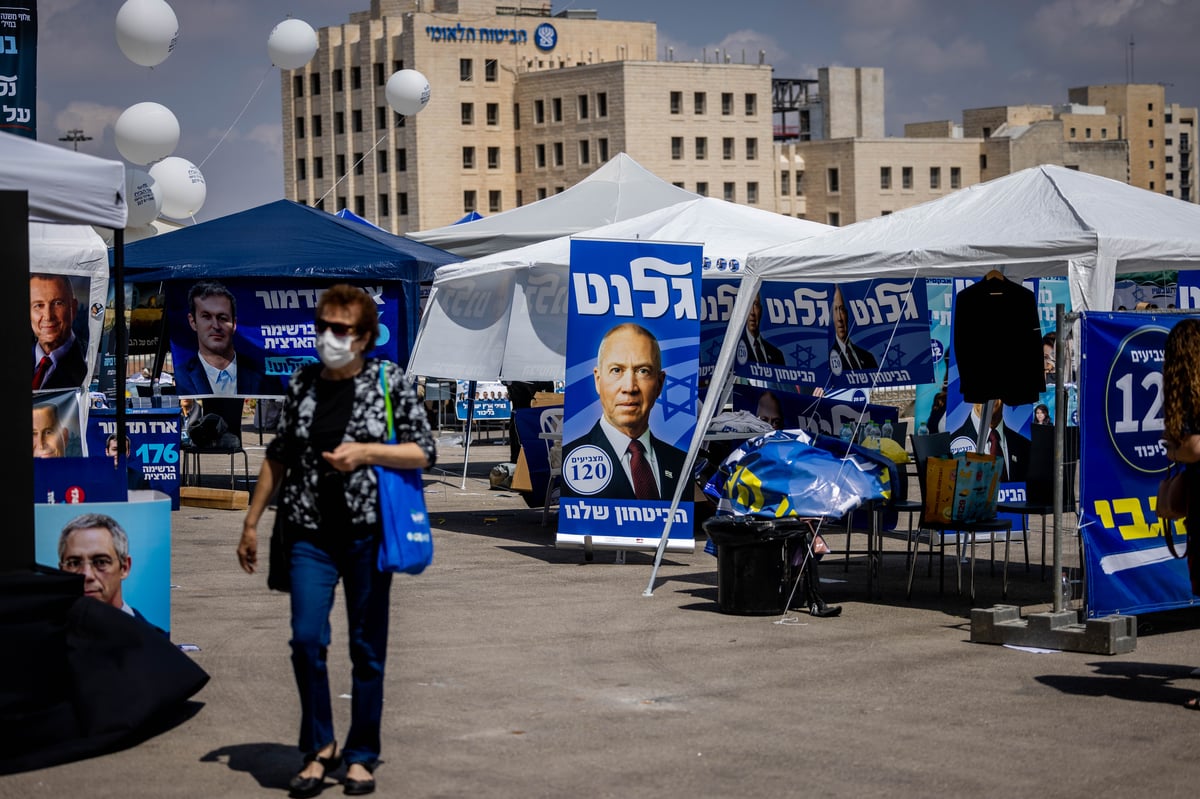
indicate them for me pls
(523, 105)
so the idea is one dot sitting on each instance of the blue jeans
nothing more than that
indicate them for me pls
(315, 574)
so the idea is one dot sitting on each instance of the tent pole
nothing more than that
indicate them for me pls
(1060, 441)
(120, 331)
(470, 423)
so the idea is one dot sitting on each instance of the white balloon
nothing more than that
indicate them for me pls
(146, 132)
(292, 44)
(182, 186)
(133, 234)
(407, 92)
(147, 31)
(142, 198)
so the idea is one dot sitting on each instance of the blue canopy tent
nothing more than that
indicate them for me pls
(285, 239)
(346, 213)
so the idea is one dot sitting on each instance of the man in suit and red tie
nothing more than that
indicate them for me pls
(629, 377)
(58, 357)
(1010, 447)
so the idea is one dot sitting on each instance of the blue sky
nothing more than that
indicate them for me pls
(938, 56)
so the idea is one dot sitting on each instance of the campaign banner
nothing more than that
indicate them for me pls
(485, 410)
(18, 65)
(837, 336)
(1187, 290)
(266, 324)
(717, 295)
(633, 340)
(786, 410)
(1129, 568)
(152, 438)
(146, 522)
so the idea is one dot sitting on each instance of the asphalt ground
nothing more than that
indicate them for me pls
(516, 669)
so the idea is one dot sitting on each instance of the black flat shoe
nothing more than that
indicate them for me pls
(823, 611)
(305, 787)
(358, 787)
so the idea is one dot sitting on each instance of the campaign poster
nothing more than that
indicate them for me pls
(264, 326)
(491, 401)
(146, 522)
(854, 335)
(59, 419)
(820, 416)
(718, 291)
(66, 316)
(18, 66)
(1129, 568)
(152, 439)
(633, 337)
(1187, 289)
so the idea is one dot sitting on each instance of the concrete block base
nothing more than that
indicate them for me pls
(1002, 624)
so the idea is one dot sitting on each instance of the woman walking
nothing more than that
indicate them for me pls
(1181, 411)
(332, 429)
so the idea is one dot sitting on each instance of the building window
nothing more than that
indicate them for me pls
(298, 86)
(517, 161)
(1104, 133)
(585, 151)
(726, 104)
(360, 204)
(987, 133)
(341, 202)
(493, 156)
(516, 116)
(784, 183)
(1170, 176)
(318, 167)
(541, 192)
(299, 127)
(1149, 123)
(906, 177)
(1072, 133)
(751, 149)
(935, 177)
(677, 184)
(494, 201)
(520, 198)
(358, 165)
(601, 104)
(602, 150)
(380, 75)
(832, 180)
(491, 70)
(955, 177)
(799, 177)
(316, 125)
(1087, 133)
(699, 102)
(1149, 106)
(402, 203)
(676, 102)
(835, 218)
(314, 83)
(381, 115)
(320, 206)
(468, 157)
(539, 111)
(468, 201)
(493, 113)
(885, 177)
(1152, 185)
(730, 193)
(383, 206)
(727, 148)
(468, 113)
(539, 156)
(1151, 165)
(751, 104)
(702, 188)
(983, 162)
(356, 120)
(558, 153)
(339, 122)
(339, 166)
(676, 148)
(465, 69)
(301, 169)
(1150, 144)
(1170, 159)
(581, 106)
(355, 78)
(701, 148)
(337, 80)
(752, 192)
(401, 159)
(556, 109)
(382, 158)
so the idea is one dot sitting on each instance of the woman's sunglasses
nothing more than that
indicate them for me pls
(338, 328)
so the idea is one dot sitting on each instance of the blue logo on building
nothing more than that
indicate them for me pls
(545, 37)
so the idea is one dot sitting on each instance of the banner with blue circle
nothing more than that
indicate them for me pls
(1129, 568)
(633, 333)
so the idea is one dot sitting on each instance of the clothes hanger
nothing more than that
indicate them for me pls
(994, 274)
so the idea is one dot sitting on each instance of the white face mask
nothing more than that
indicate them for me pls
(335, 351)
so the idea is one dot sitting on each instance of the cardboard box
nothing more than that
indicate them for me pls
(963, 488)
(220, 498)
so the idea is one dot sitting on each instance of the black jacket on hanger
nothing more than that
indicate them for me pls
(998, 342)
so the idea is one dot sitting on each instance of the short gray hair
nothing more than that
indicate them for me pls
(89, 521)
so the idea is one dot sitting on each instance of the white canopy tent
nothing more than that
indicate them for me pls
(621, 189)
(504, 316)
(1040, 222)
(65, 187)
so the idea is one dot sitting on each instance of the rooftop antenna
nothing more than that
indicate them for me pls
(1129, 62)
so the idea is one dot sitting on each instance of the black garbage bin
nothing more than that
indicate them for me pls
(754, 573)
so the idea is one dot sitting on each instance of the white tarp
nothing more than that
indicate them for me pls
(621, 189)
(1040, 222)
(65, 187)
(504, 316)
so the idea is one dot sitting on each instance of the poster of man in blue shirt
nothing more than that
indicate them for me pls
(630, 407)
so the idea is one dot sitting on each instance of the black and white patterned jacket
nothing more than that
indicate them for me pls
(368, 422)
